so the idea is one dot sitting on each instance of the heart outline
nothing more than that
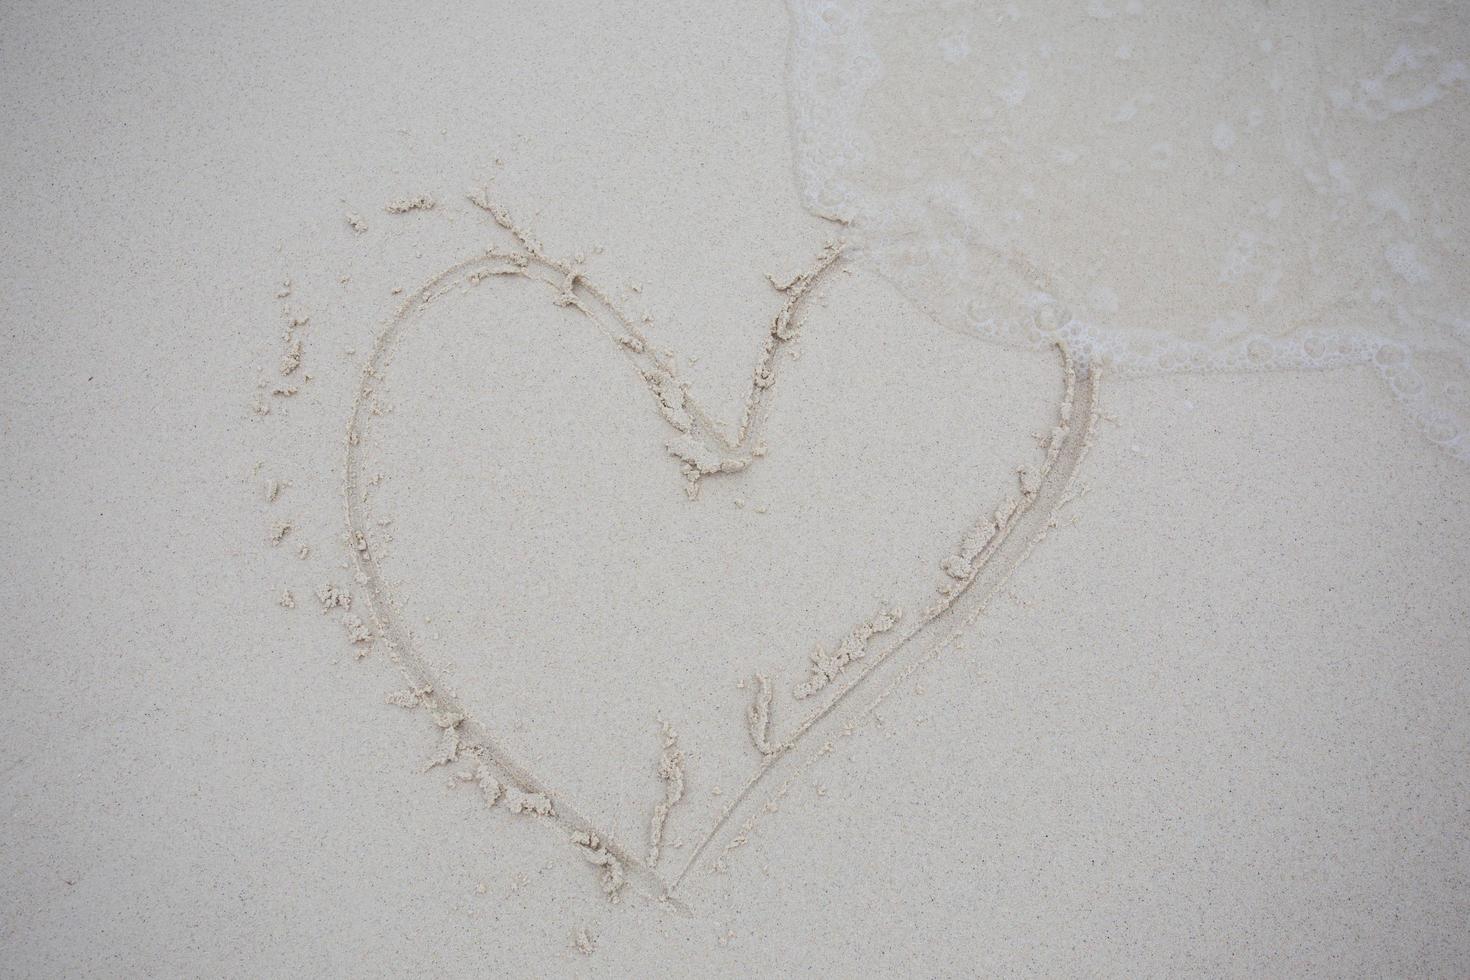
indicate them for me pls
(718, 454)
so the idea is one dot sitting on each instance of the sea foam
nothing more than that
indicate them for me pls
(1165, 187)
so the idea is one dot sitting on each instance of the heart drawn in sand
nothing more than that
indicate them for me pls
(873, 657)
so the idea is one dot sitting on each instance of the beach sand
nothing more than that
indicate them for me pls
(1202, 709)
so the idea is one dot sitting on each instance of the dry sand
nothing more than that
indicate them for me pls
(664, 593)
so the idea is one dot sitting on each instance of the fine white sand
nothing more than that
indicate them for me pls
(1170, 682)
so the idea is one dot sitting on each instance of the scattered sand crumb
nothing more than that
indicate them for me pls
(583, 941)
(291, 359)
(447, 751)
(447, 718)
(287, 600)
(356, 222)
(279, 530)
(699, 460)
(403, 205)
(671, 771)
(612, 875)
(357, 632)
(332, 597)
(489, 785)
(671, 395)
(521, 802)
(409, 698)
(827, 665)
